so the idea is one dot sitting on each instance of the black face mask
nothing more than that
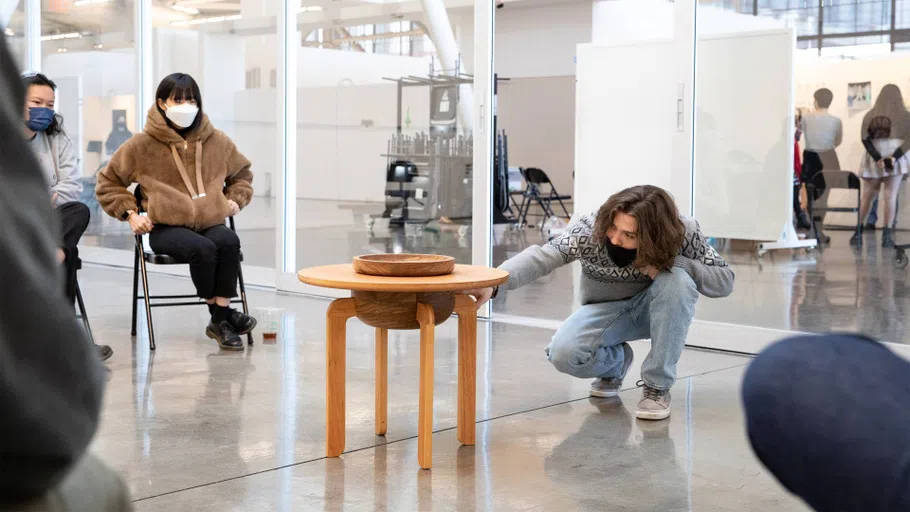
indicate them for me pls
(622, 257)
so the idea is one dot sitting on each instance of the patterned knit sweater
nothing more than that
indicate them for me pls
(602, 279)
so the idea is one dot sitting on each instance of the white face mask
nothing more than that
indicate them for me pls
(183, 114)
(7, 8)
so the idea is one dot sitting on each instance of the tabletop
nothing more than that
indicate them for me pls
(465, 277)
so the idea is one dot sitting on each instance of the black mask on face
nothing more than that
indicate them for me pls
(622, 257)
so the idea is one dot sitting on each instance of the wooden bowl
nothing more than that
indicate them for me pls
(397, 310)
(404, 265)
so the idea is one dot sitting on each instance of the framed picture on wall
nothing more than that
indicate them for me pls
(859, 96)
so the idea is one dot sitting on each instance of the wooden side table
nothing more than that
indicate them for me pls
(402, 303)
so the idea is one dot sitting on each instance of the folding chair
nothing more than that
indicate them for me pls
(82, 315)
(819, 194)
(535, 181)
(145, 256)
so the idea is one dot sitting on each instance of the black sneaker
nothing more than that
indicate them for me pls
(241, 322)
(104, 352)
(888, 238)
(857, 239)
(224, 334)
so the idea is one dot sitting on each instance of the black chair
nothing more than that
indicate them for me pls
(535, 182)
(818, 191)
(400, 172)
(145, 257)
(82, 315)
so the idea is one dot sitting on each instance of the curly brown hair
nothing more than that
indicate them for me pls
(660, 230)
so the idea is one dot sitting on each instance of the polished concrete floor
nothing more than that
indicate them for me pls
(193, 428)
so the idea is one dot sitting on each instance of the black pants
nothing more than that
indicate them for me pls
(829, 416)
(213, 255)
(74, 219)
(811, 175)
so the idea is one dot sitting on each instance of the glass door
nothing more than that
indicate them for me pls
(598, 107)
(392, 149)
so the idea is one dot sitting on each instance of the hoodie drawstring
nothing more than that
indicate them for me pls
(186, 179)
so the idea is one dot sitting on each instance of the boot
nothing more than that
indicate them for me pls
(888, 238)
(857, 239)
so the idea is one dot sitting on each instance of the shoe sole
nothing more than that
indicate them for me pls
(652, 415)
(247, 331)
(604, 394)
(212, 335)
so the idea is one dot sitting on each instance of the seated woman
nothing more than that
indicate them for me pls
(57, 155)
(192, 177)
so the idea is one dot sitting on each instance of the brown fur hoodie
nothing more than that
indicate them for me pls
(185, 182)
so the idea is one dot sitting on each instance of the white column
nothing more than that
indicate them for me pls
(443, 38)
(682, 171)
(482, 217)
(32, 35)
(286, 179)
(142, 31)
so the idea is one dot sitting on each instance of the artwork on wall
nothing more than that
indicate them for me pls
(859, 96)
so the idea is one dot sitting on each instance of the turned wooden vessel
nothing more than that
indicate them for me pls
(398, 310)
(404, 265)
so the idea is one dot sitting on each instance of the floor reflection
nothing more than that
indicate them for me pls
(623, 458)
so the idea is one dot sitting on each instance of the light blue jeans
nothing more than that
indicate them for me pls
(588, 344)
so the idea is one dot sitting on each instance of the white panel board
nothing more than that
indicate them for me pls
(69, 105)
(744, 134)
(625, 120)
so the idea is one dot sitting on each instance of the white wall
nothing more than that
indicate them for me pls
(625, 21)
(103, 73)
(541, 41)
(744, 134)
(624, 132)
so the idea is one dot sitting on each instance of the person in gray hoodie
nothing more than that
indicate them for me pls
(643, 268)
(56, 153)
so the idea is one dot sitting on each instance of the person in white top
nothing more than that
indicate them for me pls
(823, 133)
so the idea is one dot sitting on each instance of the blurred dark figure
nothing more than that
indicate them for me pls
(50, 377)
(119, 133)
(829, 416)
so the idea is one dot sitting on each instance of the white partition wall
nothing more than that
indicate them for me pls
(625, 120)
(744, 134)
(634, 101)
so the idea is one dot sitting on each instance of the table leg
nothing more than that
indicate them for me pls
(340, 310)
(382, 380)
(466, 308)
(427, 321)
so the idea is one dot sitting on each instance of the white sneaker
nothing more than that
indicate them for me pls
(654, 404)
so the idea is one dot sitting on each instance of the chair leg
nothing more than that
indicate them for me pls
(88, 327)
(135, 291)
(246, 308)
(564, 209)
(148, 305)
